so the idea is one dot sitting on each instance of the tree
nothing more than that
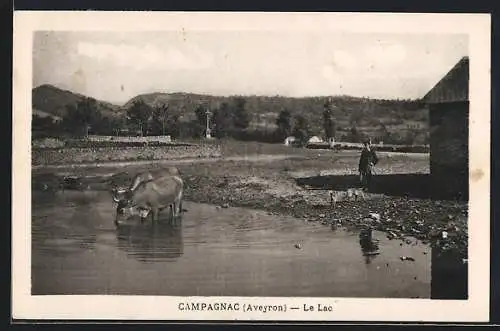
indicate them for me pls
(117, 124)
(410, 137)
(173, 125)
(200, 123)
(103, 126)
(222, 121)
(46, 126)
(328, 122)
(41, 123)
(241, 115)
(138, 115)
(284, 126)
(201, 116)
(80, 117)
(301, 129)
(159, 119)
(356, 116)
(355, 136)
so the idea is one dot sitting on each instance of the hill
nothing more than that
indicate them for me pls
(52, 100)
(372, 116)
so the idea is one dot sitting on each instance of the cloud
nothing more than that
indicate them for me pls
(148, 57)
(385, 55)
(332, 76)
(246, 63)
(344, 59)
(372, 60)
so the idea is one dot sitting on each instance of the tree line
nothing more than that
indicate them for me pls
(226, 120)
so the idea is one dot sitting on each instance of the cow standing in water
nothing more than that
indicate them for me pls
(150, 193)
(151, 175)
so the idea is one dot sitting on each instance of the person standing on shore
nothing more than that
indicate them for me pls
(367, 161)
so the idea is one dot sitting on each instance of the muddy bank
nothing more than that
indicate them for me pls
(440, 223)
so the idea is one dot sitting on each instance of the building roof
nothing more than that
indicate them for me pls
(453, 87)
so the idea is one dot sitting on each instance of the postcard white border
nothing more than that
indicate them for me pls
(475, 309)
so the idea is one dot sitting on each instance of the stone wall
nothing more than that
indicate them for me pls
(165, 139)
(107, 154)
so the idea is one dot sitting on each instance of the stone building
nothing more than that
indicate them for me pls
(448, 103)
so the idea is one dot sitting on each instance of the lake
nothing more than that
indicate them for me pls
(212, 251)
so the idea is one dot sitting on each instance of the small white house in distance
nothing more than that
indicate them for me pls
(314, 139)
(289, 141)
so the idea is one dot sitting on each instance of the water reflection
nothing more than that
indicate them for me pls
(152, 242)
(39, 198)
(369, 246)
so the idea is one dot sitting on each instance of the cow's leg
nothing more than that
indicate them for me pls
(172, 212)
(178, 203)
(154, 214)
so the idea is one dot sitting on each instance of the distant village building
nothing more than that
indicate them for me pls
(314, 139)
(289, 141)
(448, 104)
(128, 132)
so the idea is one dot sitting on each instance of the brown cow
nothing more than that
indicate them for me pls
(144, 176)
(151, 196)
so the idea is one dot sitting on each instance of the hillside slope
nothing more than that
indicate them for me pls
(371, 116)
(53, 100)
(348, 111)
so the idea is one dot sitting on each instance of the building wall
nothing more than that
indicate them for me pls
(449, 275)
(449, 136)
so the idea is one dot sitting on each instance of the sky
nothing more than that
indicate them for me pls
(115, 67)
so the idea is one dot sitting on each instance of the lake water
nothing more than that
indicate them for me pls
(77, 249)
